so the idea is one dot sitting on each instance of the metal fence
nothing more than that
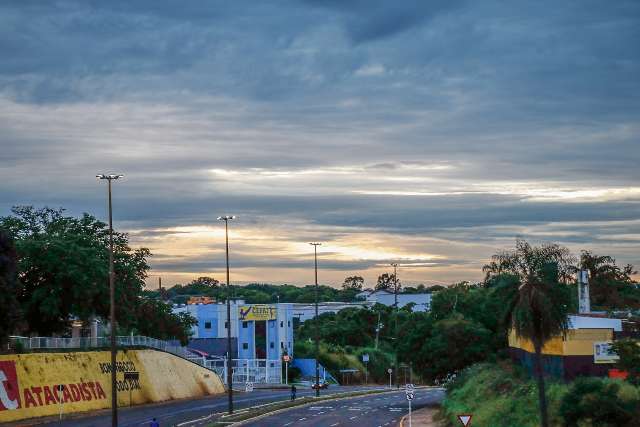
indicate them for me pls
(43, 343)
(257, 371)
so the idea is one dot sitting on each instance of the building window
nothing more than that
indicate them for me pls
(281, 323)
(245, 346)
(226, 325)
(289, 323)
(281, 344)
(289, 345)
(207, 325)
(272, 345)
(245, 325)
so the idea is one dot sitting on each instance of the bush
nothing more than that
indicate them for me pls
(600, 402)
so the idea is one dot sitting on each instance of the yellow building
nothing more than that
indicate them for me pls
(582, 350)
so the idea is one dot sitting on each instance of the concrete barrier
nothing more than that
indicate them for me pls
(30, 383)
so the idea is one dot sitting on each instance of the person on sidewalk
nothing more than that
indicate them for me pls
(293, 392)
(154, 423)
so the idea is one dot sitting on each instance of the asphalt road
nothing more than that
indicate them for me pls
(383, 410)
(174, 413)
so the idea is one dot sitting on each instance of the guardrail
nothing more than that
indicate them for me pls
(39, 343)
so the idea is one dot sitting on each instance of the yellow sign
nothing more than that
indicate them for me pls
(257, 312)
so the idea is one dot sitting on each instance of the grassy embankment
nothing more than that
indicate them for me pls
(502, 395)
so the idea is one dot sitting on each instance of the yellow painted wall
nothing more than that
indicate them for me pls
(28, 381)
(576, 342)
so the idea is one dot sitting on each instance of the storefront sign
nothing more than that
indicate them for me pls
(603, 353)
(257, 312)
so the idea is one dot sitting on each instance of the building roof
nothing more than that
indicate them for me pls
(592, 322)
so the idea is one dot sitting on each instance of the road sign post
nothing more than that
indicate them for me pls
(465, 419)
(365, 359)
(60, 389)
(389, 371)
(286, 359)
(409, 389)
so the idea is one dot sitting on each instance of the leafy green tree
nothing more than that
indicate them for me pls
(63, 269)
(539, 309)
(386, 281)
(156, 319)
(353, 283)
(609, 285)
(9, 287)
(629, 352)
(454, 344)
(598, 402)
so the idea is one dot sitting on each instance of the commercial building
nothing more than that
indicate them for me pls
(583, 350)
(258, 331)
(419, 302)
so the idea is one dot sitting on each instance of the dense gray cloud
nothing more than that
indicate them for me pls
(470, 123)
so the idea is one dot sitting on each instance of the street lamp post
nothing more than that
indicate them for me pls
(226, 220)
(112, 309)
(395, 293)
(317, 329)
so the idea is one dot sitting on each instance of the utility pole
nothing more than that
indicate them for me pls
(226, 220)
(395, 304)
(112, 303)
(159, 283)
(317, 320)
(377, 331)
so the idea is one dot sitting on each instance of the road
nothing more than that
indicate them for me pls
(384, 410)
(174, 413)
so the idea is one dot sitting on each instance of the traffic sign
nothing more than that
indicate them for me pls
(248, 387)
(465, 419)
(410, 396)
(389, 370)
(409, 388)
(286, 358)
(365, 358)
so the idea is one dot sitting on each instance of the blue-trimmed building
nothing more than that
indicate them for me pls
(259, 331)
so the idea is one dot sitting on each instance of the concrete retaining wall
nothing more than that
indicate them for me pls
(29, 382)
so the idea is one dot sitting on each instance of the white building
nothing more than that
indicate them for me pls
(421, 302)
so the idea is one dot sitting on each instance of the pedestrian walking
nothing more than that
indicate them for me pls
(293, 392)
(154, 423)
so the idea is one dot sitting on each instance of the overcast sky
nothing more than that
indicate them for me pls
(429, 133)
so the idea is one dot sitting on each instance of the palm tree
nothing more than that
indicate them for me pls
(538, 310)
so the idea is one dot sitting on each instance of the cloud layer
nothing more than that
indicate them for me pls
(428, 133)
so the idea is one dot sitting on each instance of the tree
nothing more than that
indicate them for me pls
(599, 402)
(539, 308)
(156, 319)
(63, 269)
(629, 352)
(353, 283)
(609, 285)
(386, 282)
(526, 258)
(9, 287)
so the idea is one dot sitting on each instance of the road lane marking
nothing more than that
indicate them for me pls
(290, 422)
(302, 419)
(334, 425)
(354, 417)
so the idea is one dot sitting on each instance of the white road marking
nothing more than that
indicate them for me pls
(334, 425)
(353, 418)
(290, 422)
(302, 419)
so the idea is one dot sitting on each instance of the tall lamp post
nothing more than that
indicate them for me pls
(112, 301)
(226, 220)
(395, 304)
(317, 331)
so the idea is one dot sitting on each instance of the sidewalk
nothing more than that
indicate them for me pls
(421, 418)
